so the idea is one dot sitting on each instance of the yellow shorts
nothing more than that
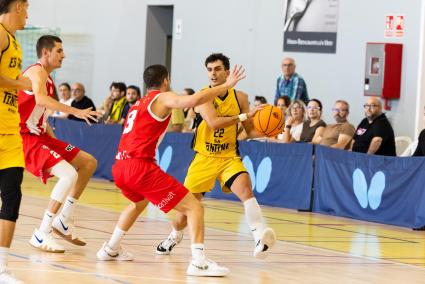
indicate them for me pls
(11, 151)
(203, 171)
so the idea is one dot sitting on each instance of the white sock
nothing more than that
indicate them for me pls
(116, 238)
(176, 234)
(68, 208)
(46, 223)
(254, 217)
(4, 253)
(198, 254)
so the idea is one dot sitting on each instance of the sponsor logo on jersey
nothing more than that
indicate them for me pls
(10, 99)
(166, 200)
(215, 147)
(69, 148)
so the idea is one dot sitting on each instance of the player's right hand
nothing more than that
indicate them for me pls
(237, 74)
(88, 114)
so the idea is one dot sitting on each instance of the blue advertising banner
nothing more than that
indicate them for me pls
(381, 189)
(281, 174)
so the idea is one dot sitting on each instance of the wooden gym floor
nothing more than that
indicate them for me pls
(312, 248)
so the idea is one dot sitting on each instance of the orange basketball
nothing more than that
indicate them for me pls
(269, 121)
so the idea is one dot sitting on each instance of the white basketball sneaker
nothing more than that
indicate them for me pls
(45, 242)
(207, 268)
(6, 277)
(67, 231)
(264, 244)
(167, 245)
(107, 254)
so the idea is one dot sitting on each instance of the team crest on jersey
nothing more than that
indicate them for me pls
(69, 148)
(10, 99)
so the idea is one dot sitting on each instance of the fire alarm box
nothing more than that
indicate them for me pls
(383, 71)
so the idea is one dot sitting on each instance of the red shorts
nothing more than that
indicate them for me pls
(139, 179)
(43, 152)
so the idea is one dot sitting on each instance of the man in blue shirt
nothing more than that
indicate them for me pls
(290, 83)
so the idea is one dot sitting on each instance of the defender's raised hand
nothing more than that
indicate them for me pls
(237, 74)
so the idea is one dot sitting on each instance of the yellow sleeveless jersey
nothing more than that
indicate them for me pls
(10, 67)
(222, 142)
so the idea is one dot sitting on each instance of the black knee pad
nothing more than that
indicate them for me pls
(10, 191)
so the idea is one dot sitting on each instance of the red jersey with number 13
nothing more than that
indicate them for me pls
(142, 130)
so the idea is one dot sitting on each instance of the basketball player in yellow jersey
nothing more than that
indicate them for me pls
(217, 157)
(13, 15)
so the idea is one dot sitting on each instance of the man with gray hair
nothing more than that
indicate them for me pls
(290, 83)
(374, 135)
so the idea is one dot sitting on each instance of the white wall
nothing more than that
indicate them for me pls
(249, 32)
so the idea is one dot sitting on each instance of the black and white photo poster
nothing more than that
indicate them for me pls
(310, 26)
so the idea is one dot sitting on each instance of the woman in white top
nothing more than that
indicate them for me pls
(294, 123)
(65, 98)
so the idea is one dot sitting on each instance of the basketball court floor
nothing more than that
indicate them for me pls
(312, 248)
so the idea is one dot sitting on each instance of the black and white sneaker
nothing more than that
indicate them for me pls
(167, 245)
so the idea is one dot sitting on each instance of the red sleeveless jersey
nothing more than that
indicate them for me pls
(33, 116)
(142, 130)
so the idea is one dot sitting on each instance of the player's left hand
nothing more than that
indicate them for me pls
(253, 111)
(88, 114)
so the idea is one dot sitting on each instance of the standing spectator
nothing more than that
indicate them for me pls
(118, 94)
(80, 100)
(132, 96)
(64, 98)
(314, 124)
(290, 83)
(374, 135)
(337, 135)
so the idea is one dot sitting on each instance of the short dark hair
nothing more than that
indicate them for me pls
(118, 85)
(286, 99)
(137, 89)
(218, 56)
(189, 91)
(261, 99)
(318, 102)
(154, 75)
(48, 42)
(5, 5)
(65, 84)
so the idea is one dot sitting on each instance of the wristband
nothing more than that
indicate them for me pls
(243, 117)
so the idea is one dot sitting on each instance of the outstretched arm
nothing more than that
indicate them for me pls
(38, 77)
(169, 100)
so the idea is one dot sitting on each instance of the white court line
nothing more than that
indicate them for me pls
(111, 276)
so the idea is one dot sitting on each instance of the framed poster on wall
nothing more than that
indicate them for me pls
(310, 26)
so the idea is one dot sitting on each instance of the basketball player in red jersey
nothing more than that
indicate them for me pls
(46, 156)
(141, 180)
